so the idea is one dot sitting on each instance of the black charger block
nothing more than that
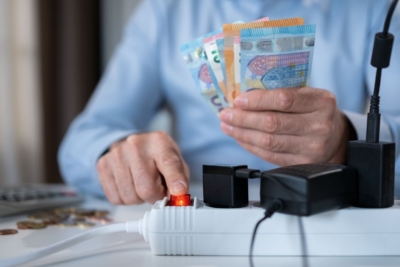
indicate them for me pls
(374, 163)
(222, 189)
(309, 188)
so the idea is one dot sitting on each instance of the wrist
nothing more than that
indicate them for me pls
(113, 146)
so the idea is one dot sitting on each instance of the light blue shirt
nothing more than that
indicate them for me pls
(147, 72)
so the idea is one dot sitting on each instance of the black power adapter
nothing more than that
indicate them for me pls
(314, 188)
(303, 189)
(374, 160)
(374, 163)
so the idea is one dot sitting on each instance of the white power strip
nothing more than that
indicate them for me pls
(202, 230)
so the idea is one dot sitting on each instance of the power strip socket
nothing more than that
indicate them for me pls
(202, 230)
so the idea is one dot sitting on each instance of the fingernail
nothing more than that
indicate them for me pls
(226, 127)
(178, 187)
(241, 101)
(226, 115)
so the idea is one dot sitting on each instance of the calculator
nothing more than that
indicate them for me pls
(25, 198)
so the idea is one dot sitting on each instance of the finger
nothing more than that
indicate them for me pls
(107, 182)
(297, 100)
(270, 142)
(125, 183)
(279, 159)
(146, 177)
(170, 163)
(267, 121)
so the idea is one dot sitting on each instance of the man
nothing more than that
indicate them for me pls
(108, 149)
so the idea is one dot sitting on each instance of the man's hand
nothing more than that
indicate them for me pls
(289, 126)
(143, 168)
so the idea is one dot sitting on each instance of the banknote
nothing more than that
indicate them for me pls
(195, 56)
(214, 47)
(236, 57)
(220, 46)
(233, 55)
(213, 55)
(276, 57)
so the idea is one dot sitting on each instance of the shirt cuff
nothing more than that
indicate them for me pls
(359, 122)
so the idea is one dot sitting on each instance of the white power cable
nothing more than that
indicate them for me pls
(130, 227)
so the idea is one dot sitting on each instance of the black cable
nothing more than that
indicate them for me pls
(385, 33)
(377, 87)
(303, 242)
(290, 192)
(389, 17)
(274, 207)
(380, 59)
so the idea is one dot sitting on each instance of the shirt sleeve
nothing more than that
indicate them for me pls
(390, 84)
(125, 100)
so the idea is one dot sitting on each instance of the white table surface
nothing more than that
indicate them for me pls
(122, 249)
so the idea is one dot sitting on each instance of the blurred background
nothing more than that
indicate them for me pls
(52, 54)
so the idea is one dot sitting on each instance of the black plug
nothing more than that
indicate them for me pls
(223, 189)
(374, 163)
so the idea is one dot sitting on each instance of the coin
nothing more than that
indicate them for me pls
(23, 225)
(64, 211)
(101, 213)
(85, 224)
(48, 217)
(8, 232)
(83, 212)
(51, 222)
(35, 225)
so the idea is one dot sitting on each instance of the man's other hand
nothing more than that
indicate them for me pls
(289, 126)
(143, 168)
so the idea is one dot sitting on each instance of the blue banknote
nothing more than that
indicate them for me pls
(220, 45)
(276, 57)
(195, 56)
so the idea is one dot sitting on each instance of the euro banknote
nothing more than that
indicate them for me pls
(213, 55)
(232, 50)
(220, 45)
(214, 47)
(195, 58)
(276, 57)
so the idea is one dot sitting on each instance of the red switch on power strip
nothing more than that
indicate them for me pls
(180, 200)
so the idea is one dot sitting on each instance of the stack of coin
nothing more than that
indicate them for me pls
(65, 217)
(48, 217)
(30, 225)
